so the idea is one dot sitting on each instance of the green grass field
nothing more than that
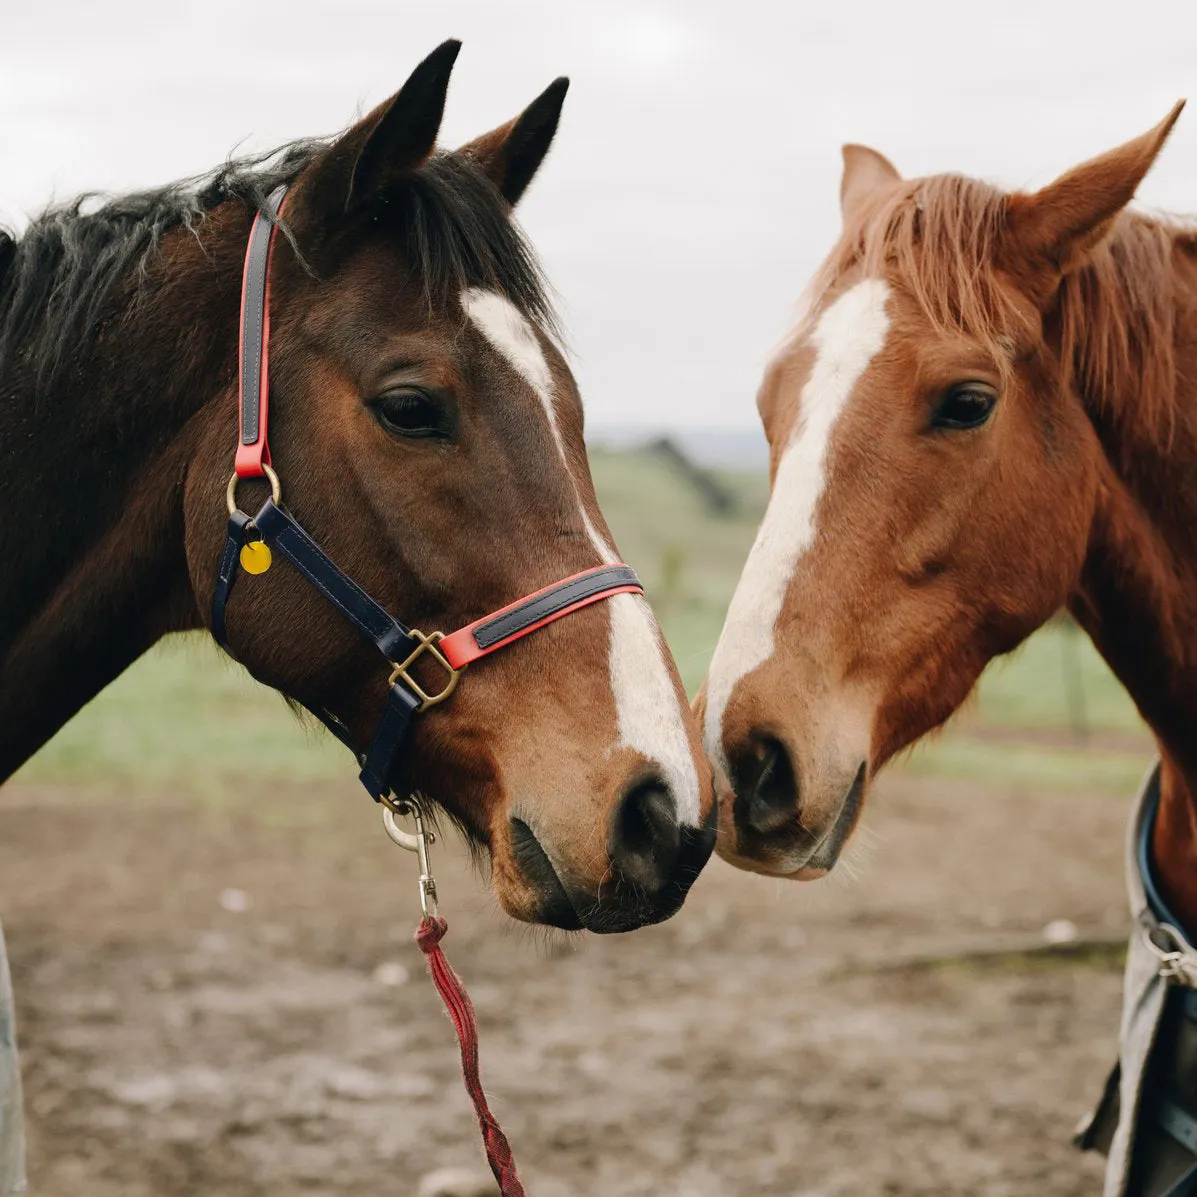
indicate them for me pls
(185, 719)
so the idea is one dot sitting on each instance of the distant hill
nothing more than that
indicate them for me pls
(742, 448)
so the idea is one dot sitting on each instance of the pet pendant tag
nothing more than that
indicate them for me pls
(255, 557)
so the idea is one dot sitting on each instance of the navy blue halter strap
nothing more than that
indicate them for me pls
(279, 530)
(251, 542)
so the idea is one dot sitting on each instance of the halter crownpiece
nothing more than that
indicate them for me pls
(253, 373)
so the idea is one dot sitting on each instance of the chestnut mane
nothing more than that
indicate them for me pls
(1113, 317)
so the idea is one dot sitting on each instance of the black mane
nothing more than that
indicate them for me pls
(57, 275)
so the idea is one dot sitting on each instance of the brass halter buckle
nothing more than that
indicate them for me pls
(429, 644)
(417, 843)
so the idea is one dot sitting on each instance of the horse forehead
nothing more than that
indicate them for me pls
(511, 334)
(820, 363)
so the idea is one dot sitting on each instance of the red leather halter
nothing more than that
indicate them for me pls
(275, 528)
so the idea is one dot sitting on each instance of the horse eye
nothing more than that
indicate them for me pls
(966, 405)
(412, 413)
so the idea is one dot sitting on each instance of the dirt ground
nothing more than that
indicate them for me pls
(232, 1004)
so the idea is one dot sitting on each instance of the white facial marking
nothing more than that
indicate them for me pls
(648, 714)
(846, 338)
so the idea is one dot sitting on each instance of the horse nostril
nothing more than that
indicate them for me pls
(767, 790)
(554, 907)
(646, 840)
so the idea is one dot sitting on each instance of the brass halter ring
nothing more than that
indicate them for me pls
(276, 488)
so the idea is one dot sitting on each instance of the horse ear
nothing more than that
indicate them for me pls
(865, 172)
(511, 154)
(1070, 217)
(400, 134)
(394, 139)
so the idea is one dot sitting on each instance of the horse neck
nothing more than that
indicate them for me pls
(1137, 593)
(92, 519)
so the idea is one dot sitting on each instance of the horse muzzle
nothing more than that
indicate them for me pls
(651, 863)
(777, 825)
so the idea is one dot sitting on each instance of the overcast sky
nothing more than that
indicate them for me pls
(693, 186)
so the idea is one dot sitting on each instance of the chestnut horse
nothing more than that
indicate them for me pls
(430, 433)
(986, 411)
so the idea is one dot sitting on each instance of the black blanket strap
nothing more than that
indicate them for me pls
(1178, 1122)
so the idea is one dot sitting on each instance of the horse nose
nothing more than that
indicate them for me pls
(782, 825)
(652, 859)
(646, 840)
(766, 790)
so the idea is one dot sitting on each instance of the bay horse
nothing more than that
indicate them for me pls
(986, 411)
(430, 433)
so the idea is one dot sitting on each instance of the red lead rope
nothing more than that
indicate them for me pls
(461, 1011)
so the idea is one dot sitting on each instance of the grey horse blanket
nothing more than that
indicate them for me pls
(1159, 962)
(12, 1132)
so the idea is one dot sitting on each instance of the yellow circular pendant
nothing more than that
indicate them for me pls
(255, 557)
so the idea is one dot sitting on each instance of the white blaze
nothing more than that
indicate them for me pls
(648, 714)
(846, 337)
